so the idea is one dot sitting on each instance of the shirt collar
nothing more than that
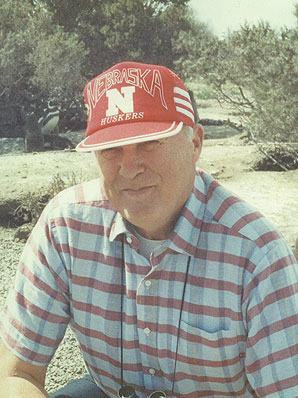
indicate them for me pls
(119, 226)
(185, 235)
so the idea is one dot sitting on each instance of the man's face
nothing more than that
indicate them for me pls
(149, 182)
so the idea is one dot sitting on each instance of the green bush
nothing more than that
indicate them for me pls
(255, 71)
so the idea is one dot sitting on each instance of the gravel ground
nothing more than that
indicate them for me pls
(67, 362)
(9, 253)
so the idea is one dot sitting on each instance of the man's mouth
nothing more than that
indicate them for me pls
(135, 192)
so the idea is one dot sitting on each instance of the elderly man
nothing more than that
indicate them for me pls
(172, 285)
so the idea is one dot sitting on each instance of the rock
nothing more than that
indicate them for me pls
(217, 132)
(34, 139)
(57, 142)
(8, 145)
(22, 233)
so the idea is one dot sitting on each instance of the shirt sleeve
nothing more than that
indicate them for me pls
(36, 313)
(271, 306)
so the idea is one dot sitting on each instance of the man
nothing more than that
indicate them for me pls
(169, 282)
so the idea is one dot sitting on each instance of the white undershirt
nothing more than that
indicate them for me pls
(146, 246)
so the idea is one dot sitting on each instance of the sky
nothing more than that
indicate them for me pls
(224, 15)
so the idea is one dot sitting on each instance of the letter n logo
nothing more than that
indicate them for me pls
(118, 101)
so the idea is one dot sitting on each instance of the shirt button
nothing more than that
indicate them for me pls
(129, 240)
(152, 371)
(148, 283)
(147, 331)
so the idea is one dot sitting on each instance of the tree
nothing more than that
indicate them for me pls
(255, 70)
(58, 68)
(139, 30)
(50, 48)
(37, 59)
(189, 45)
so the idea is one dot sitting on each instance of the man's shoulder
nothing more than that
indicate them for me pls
(237, 217)
(81, 216)
(85, 197)
(86, 192)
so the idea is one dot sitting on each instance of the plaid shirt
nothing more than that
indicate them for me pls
(239, 326)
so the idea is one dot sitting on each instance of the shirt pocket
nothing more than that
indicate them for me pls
(210, 361)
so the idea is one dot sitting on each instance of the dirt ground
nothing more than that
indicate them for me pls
(229, 160)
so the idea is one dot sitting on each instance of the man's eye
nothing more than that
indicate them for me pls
(149, 146)
(110, 153)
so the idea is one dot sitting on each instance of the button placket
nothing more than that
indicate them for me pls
(147, 315)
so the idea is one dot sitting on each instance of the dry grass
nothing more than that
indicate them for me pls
(32, 204)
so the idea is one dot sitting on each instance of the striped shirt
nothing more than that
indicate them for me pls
(239, 326)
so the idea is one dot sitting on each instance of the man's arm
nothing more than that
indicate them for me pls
(19, 379)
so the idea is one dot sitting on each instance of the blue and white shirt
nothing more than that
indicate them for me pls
(239, 324)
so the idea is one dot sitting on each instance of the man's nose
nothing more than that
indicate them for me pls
(131, 163)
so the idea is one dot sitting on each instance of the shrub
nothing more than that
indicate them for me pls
(277, 157)
(255, 71)
(32, 205)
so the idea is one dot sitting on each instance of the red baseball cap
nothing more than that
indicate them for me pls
(134, 102)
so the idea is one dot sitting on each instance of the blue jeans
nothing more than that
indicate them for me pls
(79, 388)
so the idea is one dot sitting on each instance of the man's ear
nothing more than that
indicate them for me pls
(198, 135)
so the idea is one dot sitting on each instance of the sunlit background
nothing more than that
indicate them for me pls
(224, 15)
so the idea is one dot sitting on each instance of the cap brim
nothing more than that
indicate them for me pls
(126, 134)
